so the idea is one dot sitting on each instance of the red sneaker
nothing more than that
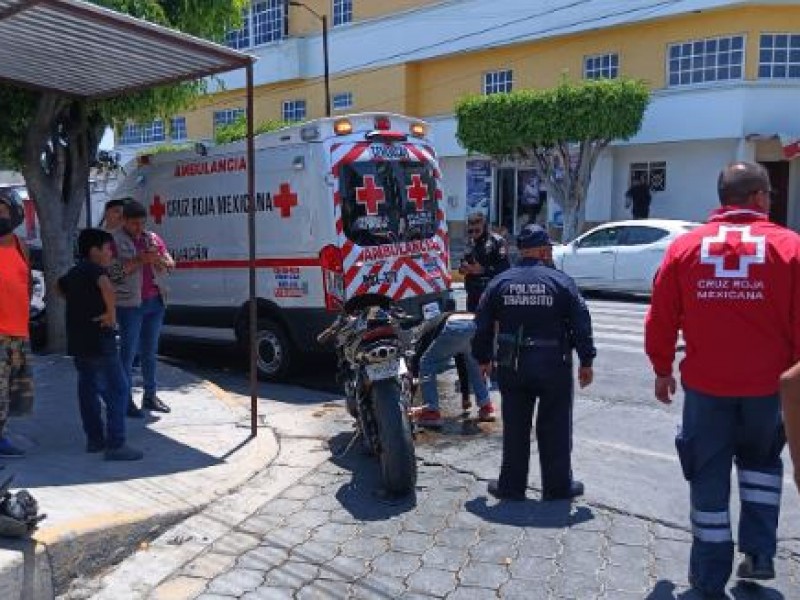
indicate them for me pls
(486, 413)
(428, 417)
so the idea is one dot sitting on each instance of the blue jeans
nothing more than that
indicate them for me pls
(455, 338)
(139, 330)
(101, 376)
(716, 433)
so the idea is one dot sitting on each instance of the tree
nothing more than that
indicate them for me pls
(562, 131)
(233, 132)
(53, 139)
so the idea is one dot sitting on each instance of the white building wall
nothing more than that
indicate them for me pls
(454, 183)
(692, 170)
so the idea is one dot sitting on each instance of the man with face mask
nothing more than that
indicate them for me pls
(731, 286)
(15, 286)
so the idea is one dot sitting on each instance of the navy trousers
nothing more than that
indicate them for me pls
(716, 433)
(551, 386)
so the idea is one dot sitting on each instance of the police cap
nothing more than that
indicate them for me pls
(533, 236)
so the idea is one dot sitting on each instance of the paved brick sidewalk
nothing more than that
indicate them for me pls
(329, 536)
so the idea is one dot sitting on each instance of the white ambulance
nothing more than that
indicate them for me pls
(345, 206)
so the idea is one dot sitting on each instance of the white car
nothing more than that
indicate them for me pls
(620, 257)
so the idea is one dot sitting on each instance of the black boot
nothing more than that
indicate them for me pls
(494, 490)
(575, 490)
(134, 412)
(756, 566)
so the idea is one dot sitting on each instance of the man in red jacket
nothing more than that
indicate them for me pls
(733, 287)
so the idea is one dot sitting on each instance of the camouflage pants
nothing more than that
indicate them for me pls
(16, 383)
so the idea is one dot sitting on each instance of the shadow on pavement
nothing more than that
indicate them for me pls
(666, 590)
(362, 496)
(530, 513)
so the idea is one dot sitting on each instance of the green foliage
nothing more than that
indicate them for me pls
(505, 124)
(165, 149)
(233, 132)
(208, 19)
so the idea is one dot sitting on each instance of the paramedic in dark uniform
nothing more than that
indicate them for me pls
(541, 317)
(486, 256)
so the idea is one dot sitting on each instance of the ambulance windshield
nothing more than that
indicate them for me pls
(386, 202)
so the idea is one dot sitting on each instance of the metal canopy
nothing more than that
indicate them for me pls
(86, 51)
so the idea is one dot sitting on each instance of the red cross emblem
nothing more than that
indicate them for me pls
(732, 251)
(157, 210)
(417, 192)
(370, 195)
(285, 200)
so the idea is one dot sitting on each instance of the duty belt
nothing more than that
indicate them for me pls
(538, 343)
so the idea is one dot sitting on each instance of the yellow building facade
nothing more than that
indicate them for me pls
(725, 80)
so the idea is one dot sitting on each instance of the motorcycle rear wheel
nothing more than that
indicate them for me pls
(397, 457)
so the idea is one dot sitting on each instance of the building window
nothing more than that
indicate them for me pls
(262, 23)
(342, 101)
(498, 82)
(702, 61)
(780, 56)
(178, 131)
(342, 12)
(294, 110)
(227, 116)
(240, 38)
(654, 172)
(601, 66)
(147, 133)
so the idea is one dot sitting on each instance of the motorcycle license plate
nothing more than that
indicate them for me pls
(383, 370)
(430, 310)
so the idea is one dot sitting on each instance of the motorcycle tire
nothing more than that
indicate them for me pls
(397, 457)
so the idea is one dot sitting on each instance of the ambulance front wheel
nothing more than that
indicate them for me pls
(274, 351)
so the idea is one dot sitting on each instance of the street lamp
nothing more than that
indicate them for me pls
(324, 20)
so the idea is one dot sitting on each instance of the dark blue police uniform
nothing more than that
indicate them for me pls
(541, 317)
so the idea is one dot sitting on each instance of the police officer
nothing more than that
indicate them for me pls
(486, 256)
(731, 286)
(541, 317)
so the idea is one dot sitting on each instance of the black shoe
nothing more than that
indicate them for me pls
(155, 404)
(123, 453)
(756, 566)
(494, 490)
(575, 490)
(706, 595)
(134, 412)
(95, 446)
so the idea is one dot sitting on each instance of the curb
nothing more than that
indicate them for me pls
(42, 567)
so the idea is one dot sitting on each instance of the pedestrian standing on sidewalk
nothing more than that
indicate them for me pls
(15, 283)
(140, 301)
(451, 335)
(638, 198)
(732, 287)
(790, 399)
(541, 317)
(486, 257)
(92, 342)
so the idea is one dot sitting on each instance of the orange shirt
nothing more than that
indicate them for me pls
(14, 292)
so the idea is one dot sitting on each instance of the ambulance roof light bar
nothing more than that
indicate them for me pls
(343, 127)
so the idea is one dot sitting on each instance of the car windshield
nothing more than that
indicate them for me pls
(386, 202)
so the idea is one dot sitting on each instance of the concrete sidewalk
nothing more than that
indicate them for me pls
(98, 511)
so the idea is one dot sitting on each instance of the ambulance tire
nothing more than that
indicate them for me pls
(274, 351)
(397, 456)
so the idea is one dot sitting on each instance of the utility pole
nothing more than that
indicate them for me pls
(324, 20)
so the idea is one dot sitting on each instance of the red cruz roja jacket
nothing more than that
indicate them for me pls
(733, 287)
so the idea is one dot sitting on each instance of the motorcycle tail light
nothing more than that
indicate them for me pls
(330, 259)
(377, 333)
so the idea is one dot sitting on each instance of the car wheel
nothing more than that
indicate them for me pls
(274, 351)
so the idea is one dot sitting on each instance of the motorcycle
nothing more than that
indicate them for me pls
(372, 348)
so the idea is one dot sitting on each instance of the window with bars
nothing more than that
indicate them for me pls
(178, 130)
(263, 22)
(707, 60)
(498, 82)
(293, 110)
(654, 172)
(343, 101)
(601, 66)
(227, 116)
(779, 57)
(342, 12)
(143, 133)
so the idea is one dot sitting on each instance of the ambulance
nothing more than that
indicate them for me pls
(344, 206)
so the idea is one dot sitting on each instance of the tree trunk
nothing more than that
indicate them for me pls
(60, 131)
